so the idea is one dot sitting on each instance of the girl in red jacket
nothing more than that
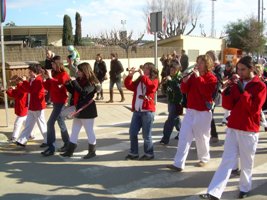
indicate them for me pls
(34, 87)
(55, 84)
(244, 97)
(199, 88)
(21, 106)
(143, 107)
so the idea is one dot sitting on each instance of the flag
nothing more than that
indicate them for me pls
(148, 27)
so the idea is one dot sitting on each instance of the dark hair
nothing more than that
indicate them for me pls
(154, 72)
(86, 69)
(175, 65)
(115, 55)
(247, 61)
(35, 68)
(56, 58)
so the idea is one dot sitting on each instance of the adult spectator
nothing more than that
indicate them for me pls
(73, 60)
(100, 71)
(116, 69)
(184, 60)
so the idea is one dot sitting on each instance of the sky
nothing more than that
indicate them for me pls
(99, 16)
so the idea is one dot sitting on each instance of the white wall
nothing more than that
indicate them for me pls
(134, 62)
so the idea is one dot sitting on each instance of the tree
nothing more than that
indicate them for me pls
(246, 35)
(180, 15)
(118, 38)
(78, 30)
(10, 24)
(67, 38)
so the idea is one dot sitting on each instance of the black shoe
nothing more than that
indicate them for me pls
(176, 137)
(265, 129)
(164, 141)
(43, 145)
(48, 152)
(146, 157)
(172, 167)
(208, 196)
(235, 172)
(63, 149)
(131, 157)
(21, 145)
(243, 195)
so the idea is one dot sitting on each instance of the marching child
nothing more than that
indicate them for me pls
(21, 105)
(34, 87)
(175, 108)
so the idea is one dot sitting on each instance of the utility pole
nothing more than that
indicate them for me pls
(212, 19)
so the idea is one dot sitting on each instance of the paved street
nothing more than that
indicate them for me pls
(26, 175)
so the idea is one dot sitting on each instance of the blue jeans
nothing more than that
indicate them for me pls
(142, 120)
(51, 133)
(172, 120)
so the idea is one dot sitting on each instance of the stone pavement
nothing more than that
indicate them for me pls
(25, 174)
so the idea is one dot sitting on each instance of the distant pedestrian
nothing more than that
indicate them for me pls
(244, 97)
(100, 71)
(143, 107)
(34, 87)
(48, 66)
(83, 88)
(73, 59)
(116, 69)
(184, 60)
(199, 87)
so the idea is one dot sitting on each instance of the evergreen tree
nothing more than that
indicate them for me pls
(67, 38)
(78, 30)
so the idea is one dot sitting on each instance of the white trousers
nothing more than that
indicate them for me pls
(88, 125)
(263, 119)
(237, 143)
(32, 118)
(196, 124)
(19, 122)
(226, 114)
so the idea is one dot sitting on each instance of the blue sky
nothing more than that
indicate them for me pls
(101, 15)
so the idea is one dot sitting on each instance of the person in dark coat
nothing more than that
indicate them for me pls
(184, 60)
(83, 88)
(116, 69)
(100, 71)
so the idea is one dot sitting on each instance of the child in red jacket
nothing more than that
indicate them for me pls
(143, 107)
(21, 106)
(36, 92)
(244, 97)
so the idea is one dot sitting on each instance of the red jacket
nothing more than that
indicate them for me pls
(245, 108)
(151, 88)
(199, 91)
(21, 100)
(37, 93)
(56, 87)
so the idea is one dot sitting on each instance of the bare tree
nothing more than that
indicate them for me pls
(118, 38)
(181, 15)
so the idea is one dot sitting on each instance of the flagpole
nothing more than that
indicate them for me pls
(3, 68)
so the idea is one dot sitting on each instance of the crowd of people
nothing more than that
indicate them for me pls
(197, 90)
